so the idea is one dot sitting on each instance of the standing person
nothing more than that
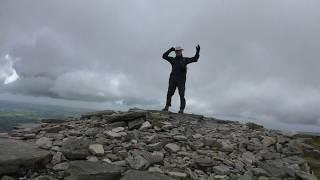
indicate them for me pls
(178, 74)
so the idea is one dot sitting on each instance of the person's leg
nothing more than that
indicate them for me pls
(171, 89)
(181, 88)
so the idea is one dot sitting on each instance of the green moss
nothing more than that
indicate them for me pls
(312, 158)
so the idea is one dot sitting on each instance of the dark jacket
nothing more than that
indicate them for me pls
(179, 64)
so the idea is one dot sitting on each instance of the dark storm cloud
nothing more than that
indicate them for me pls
(258, 58)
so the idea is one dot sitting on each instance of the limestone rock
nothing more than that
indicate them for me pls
(96, 149)
(135, 124)
(61, 166)
(16, 156)
(44, 143)
(145, 125)
(80, 170)
(171, 147)
(75, 149)
(144, 175)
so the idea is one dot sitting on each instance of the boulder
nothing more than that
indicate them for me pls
(18, 156)
(57, 158)
(171, 147)
(75, 149)
(222, 170)
(253, 126)
(137, 161)
(53, 129)
(135, 124)
(145, 125)
(44, 143)
(86, 170)
(117, 129)
(112, 134)
(179, 175)
(96, 149)
(61, 166)
(127, 116)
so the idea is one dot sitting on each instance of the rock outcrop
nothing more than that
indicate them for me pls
(145, 144)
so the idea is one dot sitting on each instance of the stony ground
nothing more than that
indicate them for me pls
(151, 145)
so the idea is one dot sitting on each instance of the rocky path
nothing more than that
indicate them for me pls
(150, 145)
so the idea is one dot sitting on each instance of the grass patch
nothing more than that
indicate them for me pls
(312, 159)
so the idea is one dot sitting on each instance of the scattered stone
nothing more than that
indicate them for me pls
(29, 136)
(197, 136)
(145, 125)
(155, 142)
(96, 149)
(144, 175)
(222, 170)
(260, 172)
(155, 147)
(75, 133)
(128, 116)
(177, 174)
(136, 161)
(117, 129)
(268, 141)
(44, 143)
(180, 138)
(57, 158)
(120, 163)
(204, 161)
(155, 169)
(61, 166)
(53, 129)
(248, 157)
(271, 155)
(254, 126)
(171, 147)
(107, 160)
(135, 124)
(112, 134)
(212, 142)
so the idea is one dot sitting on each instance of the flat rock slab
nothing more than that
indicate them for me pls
(18, 156)
(144, 175)
(128, 116)
(86, 170)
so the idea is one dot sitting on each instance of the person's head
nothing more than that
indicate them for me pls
(178, 50)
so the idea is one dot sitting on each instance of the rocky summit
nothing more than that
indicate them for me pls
(150, 145)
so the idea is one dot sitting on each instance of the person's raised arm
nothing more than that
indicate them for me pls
(166, 55)
(195, 57)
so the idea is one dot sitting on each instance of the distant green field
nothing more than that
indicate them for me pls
(12, 114)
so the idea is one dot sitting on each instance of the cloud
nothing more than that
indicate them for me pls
(7, 73)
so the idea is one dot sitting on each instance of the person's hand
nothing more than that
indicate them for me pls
(172, 49)
(198, 48)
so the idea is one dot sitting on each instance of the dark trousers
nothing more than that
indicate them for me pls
(173, 84)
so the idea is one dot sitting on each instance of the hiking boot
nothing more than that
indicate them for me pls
(165, 108)
(181, 111)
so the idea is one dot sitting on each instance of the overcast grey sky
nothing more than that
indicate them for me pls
(258, 59)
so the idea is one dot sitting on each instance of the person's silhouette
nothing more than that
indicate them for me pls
(178, 74)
